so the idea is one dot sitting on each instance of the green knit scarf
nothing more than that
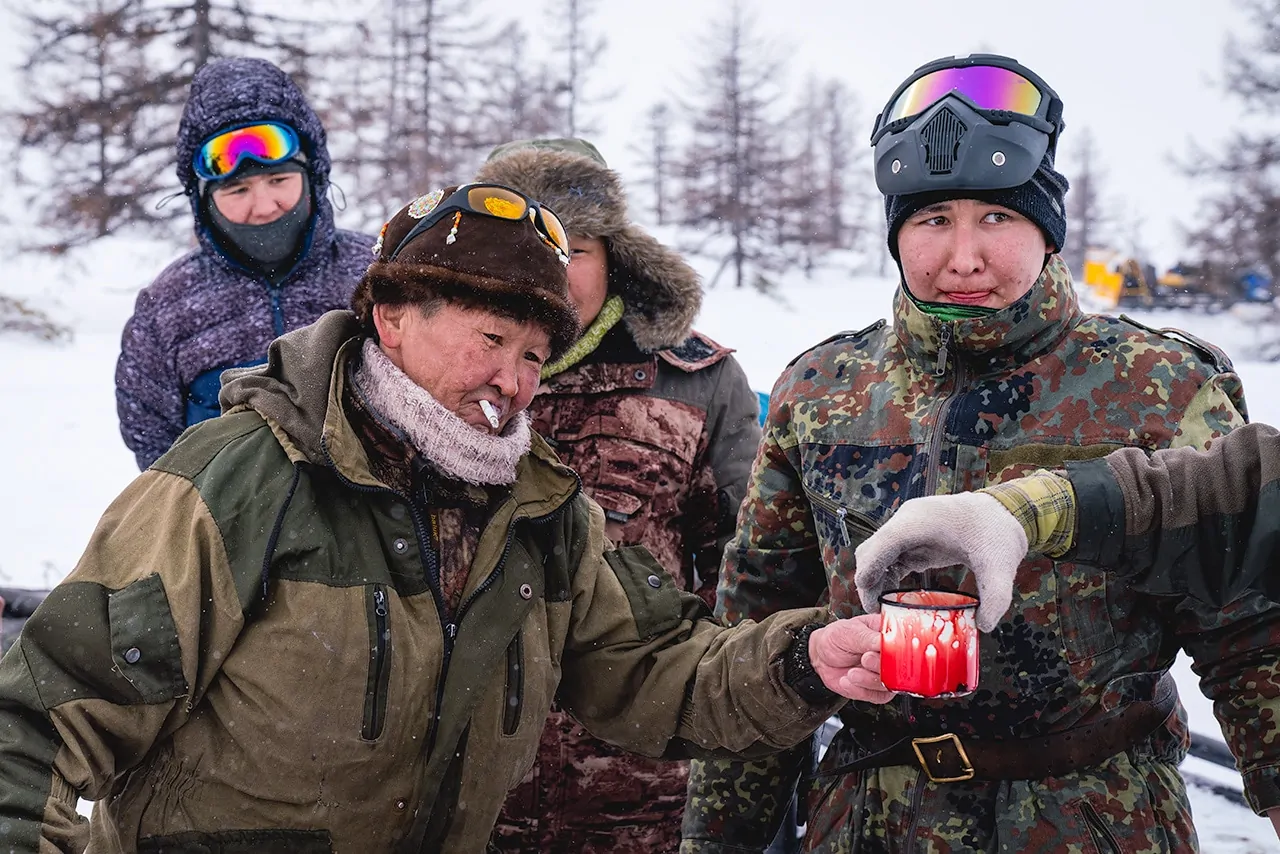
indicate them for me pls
(610, 314)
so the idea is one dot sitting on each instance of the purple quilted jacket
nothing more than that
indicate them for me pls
(205, 312)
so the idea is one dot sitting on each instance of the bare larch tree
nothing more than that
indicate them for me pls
(1238, 225)
(1085, 208)
(734, 156)
(104, 84)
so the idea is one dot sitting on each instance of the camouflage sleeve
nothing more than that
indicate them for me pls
(724, 464)
(1236, 653)
(772, 564)
(1197, 528)
(1216, 410)
(1202, 524)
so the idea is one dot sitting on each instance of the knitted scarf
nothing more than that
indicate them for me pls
(450, 444)
(610, 314)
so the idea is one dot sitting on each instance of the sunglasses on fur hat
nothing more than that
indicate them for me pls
(493, 200)
(220, 155)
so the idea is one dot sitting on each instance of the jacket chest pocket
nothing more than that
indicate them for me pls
(1084, 611)
(636, 462)
(528, 679)
(625, 519)
(607, 454)
(841, 528)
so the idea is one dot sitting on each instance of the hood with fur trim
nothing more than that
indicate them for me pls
(662, 292)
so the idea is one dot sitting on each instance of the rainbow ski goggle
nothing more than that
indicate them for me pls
(1000, 88)
(496, 201)
(267, 142)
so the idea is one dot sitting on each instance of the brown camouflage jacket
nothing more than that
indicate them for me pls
(863, 422)
(663, 442)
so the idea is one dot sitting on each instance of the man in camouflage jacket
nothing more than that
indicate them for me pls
(935, 405)
(1181, 522)
(661, 425)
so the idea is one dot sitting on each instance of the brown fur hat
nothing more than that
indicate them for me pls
(661, 291)
(496, 264)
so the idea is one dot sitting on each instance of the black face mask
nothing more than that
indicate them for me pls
(272, 247)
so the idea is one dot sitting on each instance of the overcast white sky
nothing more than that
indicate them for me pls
(1141, 74)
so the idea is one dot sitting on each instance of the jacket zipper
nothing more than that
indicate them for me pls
(379, 669)
(851, 521)
(515, 685)
(433, 579)
(943, 410)
(485, 585)
(277, 313)
(427, 550)
(916, 797)
(1102, 836)
(448, 627)
(931, 487)
(452, 631)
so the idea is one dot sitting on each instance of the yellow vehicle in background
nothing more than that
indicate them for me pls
(1120, 281)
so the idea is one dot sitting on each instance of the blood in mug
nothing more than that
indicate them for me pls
(929, 642)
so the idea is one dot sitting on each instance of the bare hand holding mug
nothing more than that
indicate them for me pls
(846, 655)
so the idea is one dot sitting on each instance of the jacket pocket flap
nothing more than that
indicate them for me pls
(618, 506)
(656, 604)
(144, 640)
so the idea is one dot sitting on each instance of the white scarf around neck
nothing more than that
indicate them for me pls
(450, 444)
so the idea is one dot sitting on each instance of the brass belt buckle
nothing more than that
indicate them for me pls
(934, 746)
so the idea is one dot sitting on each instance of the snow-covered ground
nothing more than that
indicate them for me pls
(67, 462)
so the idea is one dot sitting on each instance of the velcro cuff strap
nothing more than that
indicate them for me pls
(1100, 512)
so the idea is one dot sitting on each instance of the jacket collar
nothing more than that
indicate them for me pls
(542, 485)
(1013, 336)
(300, 392)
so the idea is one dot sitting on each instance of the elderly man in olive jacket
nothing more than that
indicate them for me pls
(334, 619)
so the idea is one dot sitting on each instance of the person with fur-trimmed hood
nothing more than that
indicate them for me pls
(661, 425)
(254, 163)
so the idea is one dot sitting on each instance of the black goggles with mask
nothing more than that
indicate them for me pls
(980, 122)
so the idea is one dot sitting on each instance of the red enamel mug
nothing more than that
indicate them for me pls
(929, 642)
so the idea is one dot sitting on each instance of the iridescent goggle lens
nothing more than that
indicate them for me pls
(987, 86)
(268, 142)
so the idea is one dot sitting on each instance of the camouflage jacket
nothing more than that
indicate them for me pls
(663, 441)
(863, 422)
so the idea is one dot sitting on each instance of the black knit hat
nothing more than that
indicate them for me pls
(1041, 200)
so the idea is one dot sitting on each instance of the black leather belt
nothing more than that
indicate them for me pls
(947, 758)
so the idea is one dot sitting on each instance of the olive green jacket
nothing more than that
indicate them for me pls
(249, 655)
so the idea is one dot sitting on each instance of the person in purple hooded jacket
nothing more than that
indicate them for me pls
(253, 160)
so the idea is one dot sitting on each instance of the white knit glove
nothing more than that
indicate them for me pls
(970, 528)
